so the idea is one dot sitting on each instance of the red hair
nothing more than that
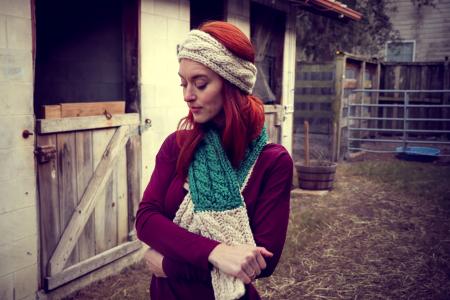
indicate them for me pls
(243, 114)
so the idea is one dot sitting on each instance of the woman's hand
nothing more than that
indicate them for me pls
(153, 260)
(242, 261)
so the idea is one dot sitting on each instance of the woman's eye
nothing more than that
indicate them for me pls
(201, 85)
(183, 84)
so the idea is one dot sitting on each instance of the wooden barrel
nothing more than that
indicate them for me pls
(316, 177)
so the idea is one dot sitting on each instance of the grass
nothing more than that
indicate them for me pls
(382, 233)
(428, 181)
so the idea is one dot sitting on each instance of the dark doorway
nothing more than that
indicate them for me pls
(267, 26)
(83, 51)
(206, 10)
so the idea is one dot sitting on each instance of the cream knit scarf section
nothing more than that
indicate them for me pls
(214, 206)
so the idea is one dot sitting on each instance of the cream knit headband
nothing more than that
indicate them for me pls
(201, 47)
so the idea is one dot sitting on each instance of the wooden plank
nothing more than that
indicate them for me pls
(111, 192)
(84, 109)
(88, 201)
(313, 98)
(91, 264)
(50, 227)
(134, 163)
(314, 83)
(273, 108)
(101, 139)
(350, 83)
(338, 105)
(445, 112)
(315, 67)
(85, 169)
(84, 123)
(67, 188)
(313, 114)
(51, 111)
(122, 193)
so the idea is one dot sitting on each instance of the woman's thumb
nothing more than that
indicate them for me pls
(265, 252)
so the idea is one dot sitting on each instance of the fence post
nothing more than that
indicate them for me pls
(405, 117)
(446, 97)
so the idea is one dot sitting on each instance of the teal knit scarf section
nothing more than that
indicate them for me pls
(213, 182)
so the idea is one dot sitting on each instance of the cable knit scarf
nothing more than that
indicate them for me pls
(214, 206)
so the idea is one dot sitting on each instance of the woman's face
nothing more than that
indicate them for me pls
(202, 90)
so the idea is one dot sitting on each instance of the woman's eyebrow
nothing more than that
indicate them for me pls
(195, 76)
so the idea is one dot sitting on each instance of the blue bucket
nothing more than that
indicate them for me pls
(417, 153)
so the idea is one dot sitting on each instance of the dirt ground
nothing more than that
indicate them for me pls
(383, 232)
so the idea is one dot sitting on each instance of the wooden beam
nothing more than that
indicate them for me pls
(275, 108)
(134, 163)
(44, 126)
(88, 201)
(51, 111)
(84, 109)
(91, 264)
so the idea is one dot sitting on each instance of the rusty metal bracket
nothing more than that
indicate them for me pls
(45, 153)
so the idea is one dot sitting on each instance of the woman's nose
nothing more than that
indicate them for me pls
(189, 95)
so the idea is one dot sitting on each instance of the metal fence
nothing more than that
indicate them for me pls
(359, 134)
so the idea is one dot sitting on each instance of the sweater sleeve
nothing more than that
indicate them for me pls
(184, 271)
(270, 220)
(159, 232)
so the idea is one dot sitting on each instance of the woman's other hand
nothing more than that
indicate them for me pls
(242, 261)
(153, 260)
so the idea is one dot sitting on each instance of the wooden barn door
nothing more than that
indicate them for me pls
(86, 193)
(89, 165)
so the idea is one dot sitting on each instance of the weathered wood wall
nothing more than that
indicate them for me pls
(414, 76)
(323, 92)
(273, 120)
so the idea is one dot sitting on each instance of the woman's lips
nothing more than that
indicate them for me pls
(195, 110)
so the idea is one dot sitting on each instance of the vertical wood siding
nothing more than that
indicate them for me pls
(428, 26)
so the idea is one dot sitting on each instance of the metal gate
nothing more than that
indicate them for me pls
(419, 118)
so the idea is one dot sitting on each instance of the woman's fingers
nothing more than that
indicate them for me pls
(244, 277)
(153, 260)
(261, 261)
(241, 261)
(264, 252)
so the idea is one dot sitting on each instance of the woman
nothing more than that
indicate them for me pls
(216, 210)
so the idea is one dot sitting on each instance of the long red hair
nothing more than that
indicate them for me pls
(243, 114)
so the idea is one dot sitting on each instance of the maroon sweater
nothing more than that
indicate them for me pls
(186, 254)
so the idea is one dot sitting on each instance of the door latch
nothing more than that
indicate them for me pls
(45, 153)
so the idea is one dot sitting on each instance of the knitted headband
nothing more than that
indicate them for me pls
(201, 47)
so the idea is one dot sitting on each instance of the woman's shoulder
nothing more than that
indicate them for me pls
(170, 148)
(275, 154)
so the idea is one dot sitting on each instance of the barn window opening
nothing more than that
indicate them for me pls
(79, 52)
(205, 10)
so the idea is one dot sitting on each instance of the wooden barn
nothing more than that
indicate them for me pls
(88, 91)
